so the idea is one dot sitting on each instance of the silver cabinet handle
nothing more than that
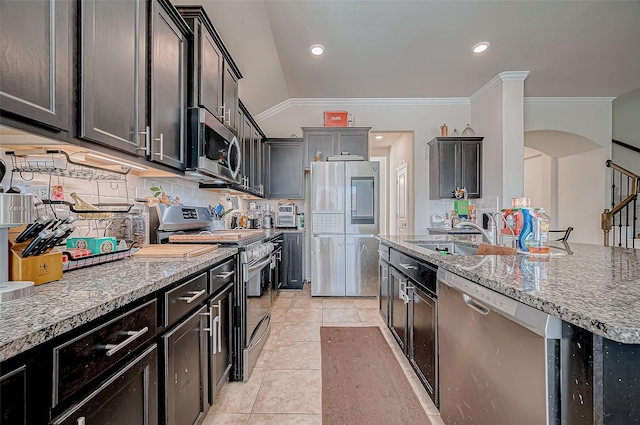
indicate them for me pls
(471, 303)
(223, 108)
(406, 295)
(161, 140)
(146, 140)
(227, 112)
(195, 296)
(407, 266)
(401, 288)
(224, 275)
(114, 348)
(80, 421)
(219, 326)
(216, 335)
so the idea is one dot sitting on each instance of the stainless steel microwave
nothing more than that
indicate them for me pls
(214, 154)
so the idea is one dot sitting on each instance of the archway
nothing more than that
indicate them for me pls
(565, 173)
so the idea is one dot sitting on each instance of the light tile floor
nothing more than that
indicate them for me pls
(285, 386)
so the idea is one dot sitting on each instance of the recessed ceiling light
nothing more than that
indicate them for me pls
(378, 137)
(317, 49)
(481, 47)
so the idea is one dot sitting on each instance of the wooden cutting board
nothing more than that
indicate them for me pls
(174, 251)
(486, 249)
(217, 236)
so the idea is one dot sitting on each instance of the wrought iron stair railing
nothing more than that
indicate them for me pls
(619, 223)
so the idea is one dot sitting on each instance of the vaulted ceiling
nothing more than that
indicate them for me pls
(422, 48)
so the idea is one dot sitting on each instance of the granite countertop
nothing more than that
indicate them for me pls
(594, 287)
(86, 294)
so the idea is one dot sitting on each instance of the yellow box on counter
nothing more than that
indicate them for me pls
(39, 269)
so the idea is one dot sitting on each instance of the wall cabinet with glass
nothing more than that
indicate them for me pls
(334, 141)
(455, 162)
(251, 147)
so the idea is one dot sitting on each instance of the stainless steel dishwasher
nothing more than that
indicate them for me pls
(499, 358)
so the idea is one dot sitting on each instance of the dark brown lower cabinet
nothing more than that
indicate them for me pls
(221, 309)
(128, 397)
(185, 366)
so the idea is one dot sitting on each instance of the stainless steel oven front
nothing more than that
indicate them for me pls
(256, 278)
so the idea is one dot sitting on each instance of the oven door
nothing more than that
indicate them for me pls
(258, 287)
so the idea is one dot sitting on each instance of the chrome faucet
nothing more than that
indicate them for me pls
(508, 226)
(490, 237)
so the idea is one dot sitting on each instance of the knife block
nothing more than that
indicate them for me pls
(40, 269)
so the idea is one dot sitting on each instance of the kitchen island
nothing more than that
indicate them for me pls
(594, 290)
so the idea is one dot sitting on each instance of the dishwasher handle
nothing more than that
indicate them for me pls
(473, 304)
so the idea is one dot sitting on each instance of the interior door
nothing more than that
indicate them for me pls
(402, 200)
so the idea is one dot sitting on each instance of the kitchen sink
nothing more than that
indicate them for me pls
(450, 248)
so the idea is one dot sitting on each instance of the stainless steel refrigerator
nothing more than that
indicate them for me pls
(344, 223)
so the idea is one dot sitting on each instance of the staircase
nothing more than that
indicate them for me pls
(620, 223)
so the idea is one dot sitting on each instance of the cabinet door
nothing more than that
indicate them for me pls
(384, 293)
(113, 74)
(398, 307)
(230, 97)
(185, 383)
(168, 89)
(35, 60)
(323, 141)
(247, 156)
(449, 168)
(354, 143)
(210, 74)
(129, 397)
(292, 259)
(13, 396)
(423, 330)
(471, 168)
(257, 152)
(284, 176)
(220, 346)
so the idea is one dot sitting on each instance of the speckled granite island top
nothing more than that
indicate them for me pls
(86, 294)
(595, 288)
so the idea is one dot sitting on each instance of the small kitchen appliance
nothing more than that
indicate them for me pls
(286, 215)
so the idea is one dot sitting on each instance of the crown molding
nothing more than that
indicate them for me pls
(569, 99)
(503, 76)
(332, 102)
(514, 75)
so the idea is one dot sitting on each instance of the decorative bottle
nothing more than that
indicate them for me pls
(540, 243)
(526, 234)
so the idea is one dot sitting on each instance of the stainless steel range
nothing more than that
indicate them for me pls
(253, 293)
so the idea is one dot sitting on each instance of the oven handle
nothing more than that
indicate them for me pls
(264, 333)
(260, 265)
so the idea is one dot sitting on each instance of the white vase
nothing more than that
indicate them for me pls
(468, 131)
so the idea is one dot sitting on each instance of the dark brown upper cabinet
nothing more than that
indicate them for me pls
(35, 61)
(455, 162)
(170, 37)
(213, 73)
(113, 74)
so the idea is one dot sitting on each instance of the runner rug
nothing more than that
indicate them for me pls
(362, 381)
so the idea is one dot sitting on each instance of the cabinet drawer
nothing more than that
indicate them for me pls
(221, 275)
(77, 362)
(183, 298)
(422, 273)
(129, 396)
